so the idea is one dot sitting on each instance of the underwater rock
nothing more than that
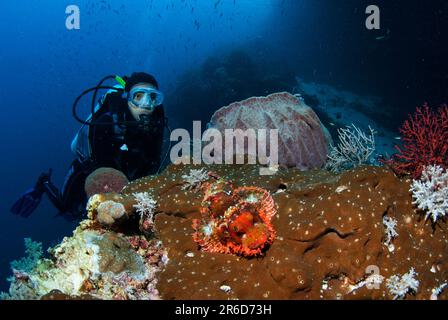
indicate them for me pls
(303, 139)
(105, 180)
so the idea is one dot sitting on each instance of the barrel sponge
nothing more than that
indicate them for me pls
(105, 180)
(303, 141)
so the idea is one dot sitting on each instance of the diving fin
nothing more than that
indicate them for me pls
(30, 200)
(27, 203)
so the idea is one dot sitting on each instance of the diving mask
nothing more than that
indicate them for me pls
(146, 98)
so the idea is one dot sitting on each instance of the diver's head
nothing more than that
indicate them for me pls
(142, 94)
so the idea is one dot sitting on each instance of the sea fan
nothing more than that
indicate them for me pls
(425, 142)
(354, 149)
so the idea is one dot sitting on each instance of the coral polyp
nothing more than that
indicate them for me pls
(235, 221)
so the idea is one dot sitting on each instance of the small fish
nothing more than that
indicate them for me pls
(397, 138)
(331, 124)
(384, 37)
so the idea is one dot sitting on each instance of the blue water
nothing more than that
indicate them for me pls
(44, 67)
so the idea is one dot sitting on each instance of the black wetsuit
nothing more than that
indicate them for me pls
(134, 149)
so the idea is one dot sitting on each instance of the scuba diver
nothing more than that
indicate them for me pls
(124, 131)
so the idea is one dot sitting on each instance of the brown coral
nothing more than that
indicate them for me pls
(329, 230)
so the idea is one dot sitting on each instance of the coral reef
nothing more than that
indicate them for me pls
(21, 288)
(303, 140)
(105, 180)
(33, 251)
(330, 241)
(430, 192)
(425, 142)
(329, 236)
(98, 263)
(354, 149)
(110, 209)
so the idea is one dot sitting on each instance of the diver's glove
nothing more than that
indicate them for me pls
(30, 200)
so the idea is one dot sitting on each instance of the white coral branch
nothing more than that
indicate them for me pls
(372, 281)
(354, 149)
(430, 193)
(400, 286)
(195, 179)
(390, 225)
(435, 293)
(145, 205)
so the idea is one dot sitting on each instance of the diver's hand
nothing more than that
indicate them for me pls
(44, 177)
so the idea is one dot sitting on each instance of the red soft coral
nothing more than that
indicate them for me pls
(425, 142)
